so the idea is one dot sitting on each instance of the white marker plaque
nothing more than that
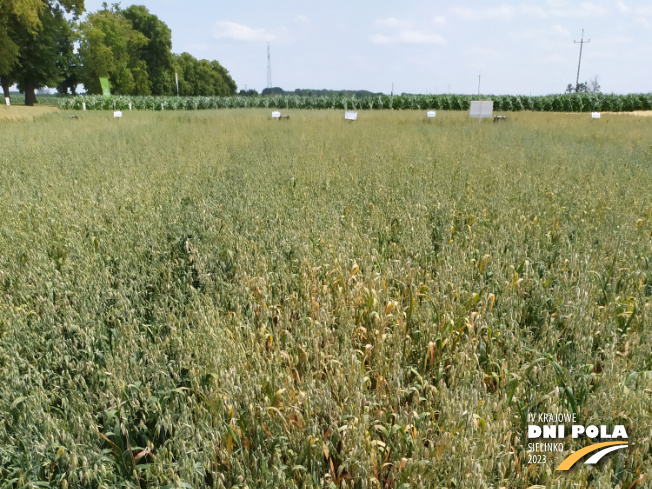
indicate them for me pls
(351, 115)
(431, 114)
(83, 105)
(129, 105)
(595, 115)
(481, 108)
(276, 114)
(8, 101)
(117, 114)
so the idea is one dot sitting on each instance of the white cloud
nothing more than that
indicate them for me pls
(407, 37)
(241, 32)
(506, 12)
(301, 18)
(585, 10)
(439, 19)
(557, 59)
(404, 33)
(502, 12)
(533, 11)
(622, 7)
(553, 32)
(618, 39)
(392, 22)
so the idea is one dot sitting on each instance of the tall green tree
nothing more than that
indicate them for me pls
(157, 52)
(110, 47)
(68, 63)
(224, 81)
(184, 65)
(33, 36)
(12, 13)
(202, 77)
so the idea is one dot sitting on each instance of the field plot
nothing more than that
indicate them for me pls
(216, 299)
(18, 113)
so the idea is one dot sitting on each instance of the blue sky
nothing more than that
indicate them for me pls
(419, 46)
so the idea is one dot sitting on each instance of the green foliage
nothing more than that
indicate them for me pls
(217, 300)
(68, 64)
(16, 16)
(35, 40)
(43, 54)
(203, 78)
(131, 47)
(157, 52)
(110, 47)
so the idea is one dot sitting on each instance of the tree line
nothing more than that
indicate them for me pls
(310, 92)
(47, 43)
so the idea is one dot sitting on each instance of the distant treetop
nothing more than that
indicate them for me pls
(310, 92)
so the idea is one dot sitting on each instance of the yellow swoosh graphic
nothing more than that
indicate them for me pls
(570, 460)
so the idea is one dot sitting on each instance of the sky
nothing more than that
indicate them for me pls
(417, 46)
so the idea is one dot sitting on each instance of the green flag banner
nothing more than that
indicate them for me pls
(106, 89)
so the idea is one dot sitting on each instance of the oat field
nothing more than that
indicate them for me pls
(215, 299)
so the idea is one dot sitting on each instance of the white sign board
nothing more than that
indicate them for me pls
(8, 101)
(481, 108)
(117, 113)
(595, 115)
(129, 105)
(431, 113)
(83, 105)
(276, 114)
(351, 115)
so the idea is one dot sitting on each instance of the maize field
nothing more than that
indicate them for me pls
(586, 102)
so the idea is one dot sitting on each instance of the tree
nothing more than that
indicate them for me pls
(33, 34)
(12, 13)
(579, 88)
(248, 93)
(591, 86)
(202, 77)
(68, 63)
(109, 47)
(594, 85)
(40, 61)
(157, 52)
(224, 81)
(184, 65)
(273, 91)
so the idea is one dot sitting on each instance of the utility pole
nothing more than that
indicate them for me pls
(479, 74)
(581, 42)
(269, 68)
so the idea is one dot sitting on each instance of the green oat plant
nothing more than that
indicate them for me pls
(212, 299)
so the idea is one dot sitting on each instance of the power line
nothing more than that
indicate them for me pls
(581, 42)
(269, 68)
